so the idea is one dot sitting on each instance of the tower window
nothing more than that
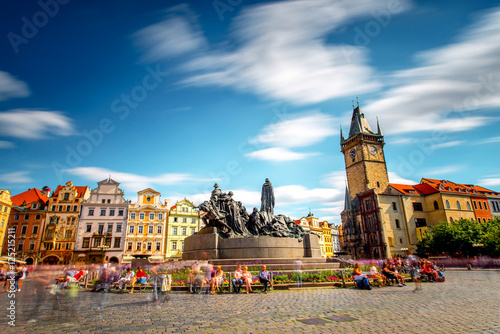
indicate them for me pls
(447, 204)
(458, 206)
(417, 206)
(394, 207)
(378, 184)
(397, 224)
(436, 205)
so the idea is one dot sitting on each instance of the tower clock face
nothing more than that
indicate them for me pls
(352, 153)
(373, 150)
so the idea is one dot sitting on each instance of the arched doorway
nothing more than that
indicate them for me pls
(29, 261)
(51, 260)
(114, 260)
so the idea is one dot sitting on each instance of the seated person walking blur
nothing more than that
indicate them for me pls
(140, 277)
(246, 276)
(265, 278)
(381, 279)
(129, 274)
(361, 280)
(237, 279)
(217, 280)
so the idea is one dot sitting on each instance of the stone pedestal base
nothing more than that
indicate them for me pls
(207, 245)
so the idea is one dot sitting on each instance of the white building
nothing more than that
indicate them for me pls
(336, 238)
(102, 226)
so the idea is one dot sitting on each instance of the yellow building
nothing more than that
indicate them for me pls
(322, 229)
(5, 206)
(327, 236)
(183, 221)
(146, 227)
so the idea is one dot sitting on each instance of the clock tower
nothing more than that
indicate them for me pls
(364, 156)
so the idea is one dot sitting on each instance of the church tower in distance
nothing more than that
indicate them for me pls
(364, 156)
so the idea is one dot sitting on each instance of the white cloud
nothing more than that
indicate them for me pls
(11, 87)
(6, 144)
(174, 36)
(34, 124)
(445, 92)
(447, 144)
(396, 178)
(282, 52)
(278, 154)
(490, 140)
(492, 181)
(299, 131)
(443, 171)
(16, 177)
(133, 182)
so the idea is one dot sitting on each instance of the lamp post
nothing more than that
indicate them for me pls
(102, 248)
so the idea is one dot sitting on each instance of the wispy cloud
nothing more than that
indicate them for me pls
(278, 154)
(134, 182)
(447, 144)
(16, 177)
(491, 181)
(177, 34)
(442, 171)
(6, 144)
(396, 178)
(34, 124)
(289, 59)
(451, 83)
(10, 87)
(490, 140)
(299, 130)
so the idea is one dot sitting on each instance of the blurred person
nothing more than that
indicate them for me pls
(382, 280)
(217, 280)
(129, 274)
(299, 266)
(140, 277)
(360, 278)
(237, 279)
(246, 276)
(41, 280)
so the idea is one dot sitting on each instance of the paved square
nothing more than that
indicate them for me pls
(468, 302)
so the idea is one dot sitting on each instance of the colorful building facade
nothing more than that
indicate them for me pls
(183, 221)
(146, 227)
(5, 207)
(102, 226)
(59, 235)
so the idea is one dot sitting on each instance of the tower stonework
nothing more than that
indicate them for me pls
(364, 156)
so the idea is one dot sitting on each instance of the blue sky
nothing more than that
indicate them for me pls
(179, 95)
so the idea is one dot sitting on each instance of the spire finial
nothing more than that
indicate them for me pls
(352, 104)
(357, 101)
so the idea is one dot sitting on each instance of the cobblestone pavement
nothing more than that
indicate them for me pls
(468, 302)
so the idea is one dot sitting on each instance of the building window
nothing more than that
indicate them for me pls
(480, 205)
(193, 231)
(75, 208)
(378, 184)
(20, 246)
(86, 243)
(174, 245)
(129, 246)
(158, 229)
(397, 224)
(151, 216)
(150, 229)
(420, 222)
(131, 229)
(451, 220)
(141, 216)
(110, 228)
(175, 219)
(417, 206)
(120, 212)
(160, 216)
(96, 242)
(132, 215)
(193, 220)
(394, 207)
(100, 229)
(447, 204)
(68, 234)
(184, 231)
(184, 220)
(118, 227)
(89, 228)
(112, 212)
(91, 212)
(458, 206)
(24, 228)
(468, 206)
(140, 229)
(138, 246)
(182, 245)
(16, 217)
(109, 201)
(174, 231)
(103, 212)
(149, 246)
(35, 229)
(66, 196)
(103, 201)
(26, 217)
(53, 208)
(37, 217)
(60, 207)
(400, 241)
(436, 205)
(158, 246)
(68, 246)
(475, 205)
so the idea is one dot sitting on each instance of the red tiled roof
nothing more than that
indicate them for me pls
(80, 191)
(406, 189)
(173, 208)
(30, 196)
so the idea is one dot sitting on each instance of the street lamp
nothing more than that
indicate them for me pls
(102, 248)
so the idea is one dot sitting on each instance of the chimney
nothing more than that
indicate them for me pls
(46, 191)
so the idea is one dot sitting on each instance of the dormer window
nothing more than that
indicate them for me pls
(441, 187)
(66, 196)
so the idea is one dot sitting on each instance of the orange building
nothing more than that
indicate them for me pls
(27, 218)
(481, 208)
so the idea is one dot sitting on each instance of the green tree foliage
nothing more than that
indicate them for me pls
(462, 238)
